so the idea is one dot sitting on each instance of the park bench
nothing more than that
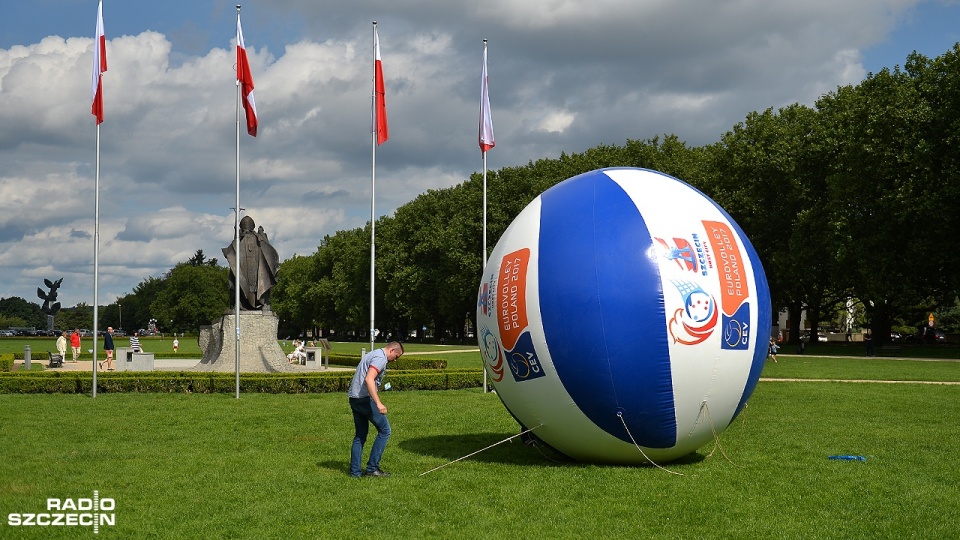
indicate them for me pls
(56, 360)
(889, 350)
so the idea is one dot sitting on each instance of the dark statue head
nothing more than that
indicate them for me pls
(247, 224)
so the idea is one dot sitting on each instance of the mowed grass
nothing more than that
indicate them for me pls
(853, 368)
(275, 466)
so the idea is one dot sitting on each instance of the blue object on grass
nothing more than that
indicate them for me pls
(849, 458)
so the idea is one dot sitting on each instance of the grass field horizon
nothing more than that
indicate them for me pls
(275, 466)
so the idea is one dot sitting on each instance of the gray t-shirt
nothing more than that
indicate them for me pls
(376, 359)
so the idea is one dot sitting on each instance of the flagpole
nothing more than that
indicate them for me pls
(236, 246)
(96, 261)
(373, 190)
(99, 66)
(483, 103)
(484, 181)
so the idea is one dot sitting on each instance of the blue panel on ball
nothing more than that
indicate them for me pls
(602, 309)
(764, 322)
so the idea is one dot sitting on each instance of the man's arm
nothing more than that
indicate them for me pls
(371, 381)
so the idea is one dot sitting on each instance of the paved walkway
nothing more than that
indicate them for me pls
(161, 364)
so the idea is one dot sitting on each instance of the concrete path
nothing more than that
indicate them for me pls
(161, 364)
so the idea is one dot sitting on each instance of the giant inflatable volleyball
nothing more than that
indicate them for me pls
(624, 317)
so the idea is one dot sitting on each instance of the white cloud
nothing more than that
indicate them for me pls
(564, 76)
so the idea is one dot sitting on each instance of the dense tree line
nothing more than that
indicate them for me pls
(850, 201)
(851, 204)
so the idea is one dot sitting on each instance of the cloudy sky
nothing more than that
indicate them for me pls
(565, 75)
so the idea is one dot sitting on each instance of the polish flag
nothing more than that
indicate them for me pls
(99, 66)
(246, 82)
(380, 108)
(486, 122)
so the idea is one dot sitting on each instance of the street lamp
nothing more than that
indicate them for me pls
(121, 315)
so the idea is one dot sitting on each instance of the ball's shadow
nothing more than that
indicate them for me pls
(514, 451)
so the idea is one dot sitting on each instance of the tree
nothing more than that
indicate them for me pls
(136, 306)
(29, 313)
(191, 296)
(79, 316)
(295, 297)
(199, 259)
(767, 173)
(885, 195)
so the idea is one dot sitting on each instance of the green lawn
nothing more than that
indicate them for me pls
(275, 466)
(819, 367)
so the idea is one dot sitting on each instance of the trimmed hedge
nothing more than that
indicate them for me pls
(43, 355)
(406, 362)
(81, 382)
(6, 362)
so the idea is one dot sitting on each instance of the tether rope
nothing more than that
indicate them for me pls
(716, 437)
(620, 416)
(481, 450)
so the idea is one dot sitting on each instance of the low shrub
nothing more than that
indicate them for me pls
(406, 362)
(6, 362)
(81, 382)
(34, 355)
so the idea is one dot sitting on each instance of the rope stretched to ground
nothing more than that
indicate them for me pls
(481, 450)
(620, 416)
(704, 408)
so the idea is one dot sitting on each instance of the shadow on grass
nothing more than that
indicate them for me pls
(334, 465)
(512, 452)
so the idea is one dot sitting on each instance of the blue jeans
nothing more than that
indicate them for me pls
(365, 412)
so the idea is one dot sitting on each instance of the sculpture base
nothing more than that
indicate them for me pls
(259, 350)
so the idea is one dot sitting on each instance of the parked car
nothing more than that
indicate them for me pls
(895, 337)
(927, 335)
(821, 337)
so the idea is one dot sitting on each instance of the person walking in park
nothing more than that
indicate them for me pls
(135, 342)
(62, 345)
(176, 344)
(368, 409)
(108, 348)
(75, 343)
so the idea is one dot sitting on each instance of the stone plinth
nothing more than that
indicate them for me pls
(259, 350)
(315, 358)
(124, 359)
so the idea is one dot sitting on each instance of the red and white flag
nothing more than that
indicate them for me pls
(245, 80)
(486, 122)
(380, 105)
(99, 66)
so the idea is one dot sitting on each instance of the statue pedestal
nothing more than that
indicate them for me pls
(259, 350)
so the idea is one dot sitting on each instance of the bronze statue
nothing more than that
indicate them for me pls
(50, 304)
(258, 266)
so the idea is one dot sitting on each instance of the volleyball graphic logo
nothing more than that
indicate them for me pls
(623, 316)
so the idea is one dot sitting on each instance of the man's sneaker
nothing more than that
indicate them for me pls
(377, 472)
